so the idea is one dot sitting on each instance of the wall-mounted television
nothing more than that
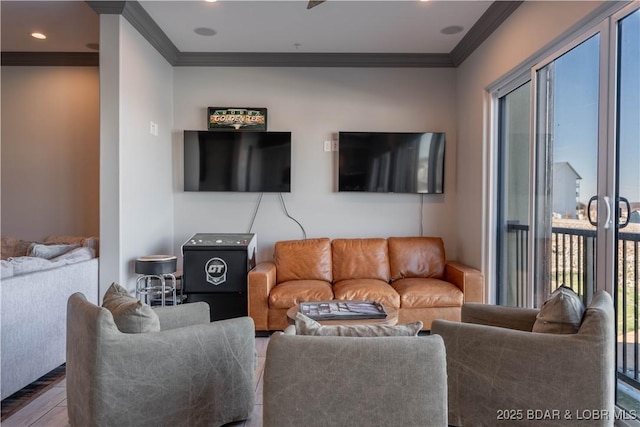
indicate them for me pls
(391, 162)
(242, 161)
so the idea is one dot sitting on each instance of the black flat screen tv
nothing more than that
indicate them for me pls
(241, 161)
(391, 162)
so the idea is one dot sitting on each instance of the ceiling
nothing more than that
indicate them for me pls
(69, 26)
(335, 26)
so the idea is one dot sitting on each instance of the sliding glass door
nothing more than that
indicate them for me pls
(628, 207)
(513, 193)
(568, 182)
(566, 170)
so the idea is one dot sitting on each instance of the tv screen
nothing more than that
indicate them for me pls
(391, 162)
(244, 161)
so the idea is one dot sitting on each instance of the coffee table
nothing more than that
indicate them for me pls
(391, 319)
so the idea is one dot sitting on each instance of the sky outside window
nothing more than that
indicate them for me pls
(576, 111)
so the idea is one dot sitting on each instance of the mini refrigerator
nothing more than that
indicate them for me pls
(214, 270)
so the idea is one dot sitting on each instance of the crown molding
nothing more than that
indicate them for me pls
(56, 59)
(107, 7)
(142, 21)
(490, 20)
(274, 59)
(133, 12)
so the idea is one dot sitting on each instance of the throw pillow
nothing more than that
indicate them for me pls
(131, 315)
(561, 313)
(307, 326)
(75, 255)
(12, 247)
(49, 251)
(91, 242)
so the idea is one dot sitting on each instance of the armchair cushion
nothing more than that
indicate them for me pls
(517, 318)
(561, 313)
(131, 316)
(307, 326)
(195, 313)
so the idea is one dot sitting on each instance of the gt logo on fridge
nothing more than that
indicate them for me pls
(216, 271)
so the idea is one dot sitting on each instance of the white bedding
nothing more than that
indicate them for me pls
(15, 266)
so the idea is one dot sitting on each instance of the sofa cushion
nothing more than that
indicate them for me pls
(427, 293)
(561, 313)
(416, 257)
(360, 259)
(303, 259)
(307, 326)
(367, 290)
(131, 316)
(287, 294)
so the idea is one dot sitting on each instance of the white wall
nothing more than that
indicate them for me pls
(50, 151)
(529, 29)
(136, 183)
(314, 103)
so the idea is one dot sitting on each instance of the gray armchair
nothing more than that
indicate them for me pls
(191, 373)
(345, 381)
(500, 373)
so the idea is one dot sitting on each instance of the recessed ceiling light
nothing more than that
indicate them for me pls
(211, 1)
(38, 36)
(203, 31)
(454, 29)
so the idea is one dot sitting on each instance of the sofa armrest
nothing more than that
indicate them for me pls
(260, 280)
(521, 319)
(492, 369)
(183, 315)
(468, 279)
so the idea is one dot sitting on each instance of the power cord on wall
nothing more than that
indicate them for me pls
(304, 233)
(255, 213)
(284, 207)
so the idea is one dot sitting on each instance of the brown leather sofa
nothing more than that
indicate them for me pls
(410, 274)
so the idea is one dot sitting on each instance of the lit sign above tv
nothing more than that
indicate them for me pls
(226, 118)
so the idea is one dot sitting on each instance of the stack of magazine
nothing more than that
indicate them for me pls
(346, 310)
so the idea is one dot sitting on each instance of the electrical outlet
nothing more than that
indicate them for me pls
(334, 145)
(327, 146)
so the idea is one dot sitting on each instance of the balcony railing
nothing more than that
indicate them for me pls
(573, 264)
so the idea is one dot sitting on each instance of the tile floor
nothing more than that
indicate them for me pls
(50, 408)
